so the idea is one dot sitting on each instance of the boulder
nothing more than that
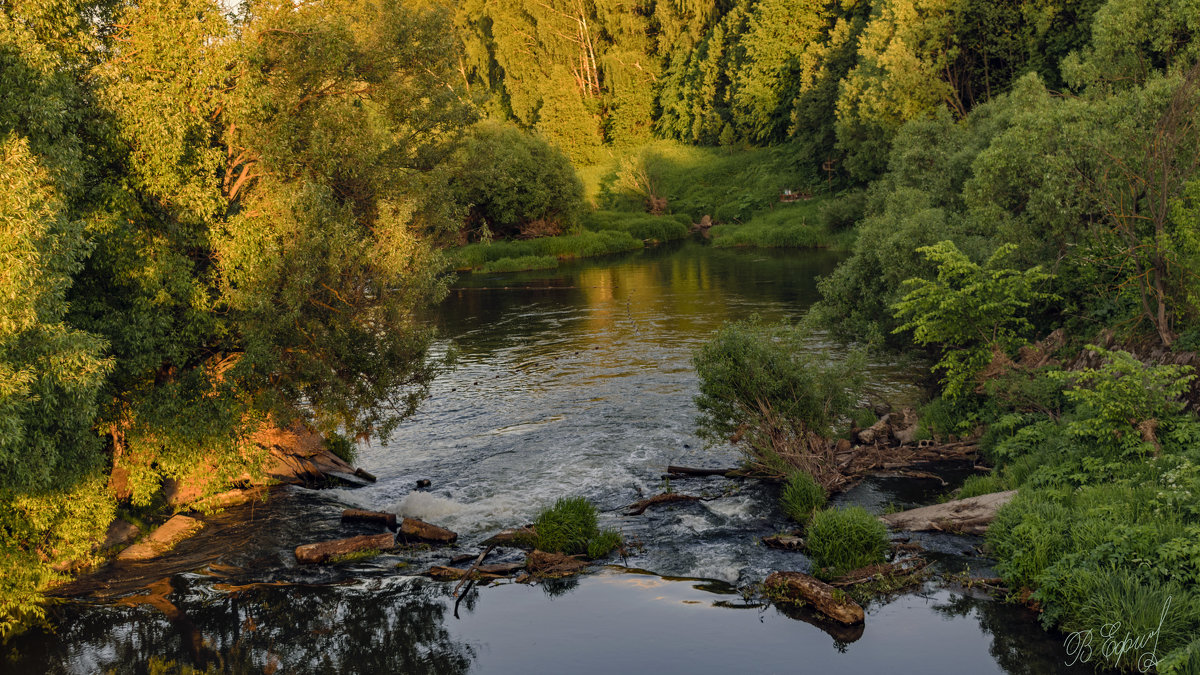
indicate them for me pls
(413, 528)
(162, 539)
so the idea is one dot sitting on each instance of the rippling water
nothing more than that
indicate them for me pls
(571, 382)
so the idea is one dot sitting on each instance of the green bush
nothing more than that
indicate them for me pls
(985, 484)
(570, 527)
(342, 446)
(801, 496)
(845, 539)
(842, 212)
(509, 179)
(749, 367)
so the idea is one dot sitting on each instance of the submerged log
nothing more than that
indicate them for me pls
(968, 516)
(325, 551)
(413, 528)
(443, 573)
(639, 507)
(162, 539)
(363, 516)
(796, 586)
(675, 471)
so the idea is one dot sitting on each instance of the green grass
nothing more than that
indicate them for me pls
(529, 251)
(698, 181)
(521, 264)
(640, 225)
(570, 527)
(354, 557)
(801, 496)
(786, 226)
(845, 539)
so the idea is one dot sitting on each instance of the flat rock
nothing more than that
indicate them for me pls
(786, 542)
(120, 532)
(162, 539)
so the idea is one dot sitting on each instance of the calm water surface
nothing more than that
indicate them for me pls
(576, 381)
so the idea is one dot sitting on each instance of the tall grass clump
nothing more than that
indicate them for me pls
(845, 539)
(570, 527)
(801, 497)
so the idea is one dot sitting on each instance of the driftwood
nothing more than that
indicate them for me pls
(906, 567)
(543, 564)
(639, 507)
(967, 516)
(451, 573)
(474, 566)
(677, 471)
(364, 474)
(325, 551)
(798, 587)
(360, 515)
(413, 528)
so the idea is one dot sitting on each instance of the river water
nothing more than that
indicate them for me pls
(576, 381)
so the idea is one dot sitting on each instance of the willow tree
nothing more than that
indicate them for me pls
(273, 257)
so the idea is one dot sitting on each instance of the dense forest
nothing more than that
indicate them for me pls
(220, 218)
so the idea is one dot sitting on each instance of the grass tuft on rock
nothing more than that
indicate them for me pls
(845, 539)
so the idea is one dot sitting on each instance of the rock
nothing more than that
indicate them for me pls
(364, 474)
(120, 532)
(799, 587)
(413, 528)
(325, 551)
(388, 520)
(521, 537)
(424, 483)
(230, 498)
(785, 542)
(162, 539)
(969, 516)
(544, 564)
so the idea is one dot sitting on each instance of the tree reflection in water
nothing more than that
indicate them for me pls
(382, 626)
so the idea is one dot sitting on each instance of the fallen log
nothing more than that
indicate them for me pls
(968, 516)
(413, 528)
(675, 471)
(364, 516)
(905, 567)
(325, 551)
(799, 587)
(474, 567)
(478, 574)
(364, 474)
(639, 507)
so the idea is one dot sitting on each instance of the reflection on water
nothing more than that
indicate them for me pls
(612, 622)
(576, 381)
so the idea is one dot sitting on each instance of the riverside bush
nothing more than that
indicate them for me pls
(845, 539)
(570, 527)
(643, 226)
(801, 496)
(581, 245)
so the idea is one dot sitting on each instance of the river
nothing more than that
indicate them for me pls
(576, 381)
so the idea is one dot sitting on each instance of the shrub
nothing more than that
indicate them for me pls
(520, 264)
(582, 245)
(843, 212)
(640, 225)
(570, 527)
(511, 180)
(801, 496)
(841, 540)
(341, 446)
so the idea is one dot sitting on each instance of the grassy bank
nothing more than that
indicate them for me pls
(541, 253)
(796, 225)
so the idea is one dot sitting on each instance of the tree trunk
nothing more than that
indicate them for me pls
(795, 586)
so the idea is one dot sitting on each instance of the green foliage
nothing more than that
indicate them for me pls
(565, 247)
(570, 527)
(786, 226)
(844, 539)
(1125, 401)
(983, 484)
(750, 371)
(801, 496)
(513, 183)
(971, 311)
(342, 446)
